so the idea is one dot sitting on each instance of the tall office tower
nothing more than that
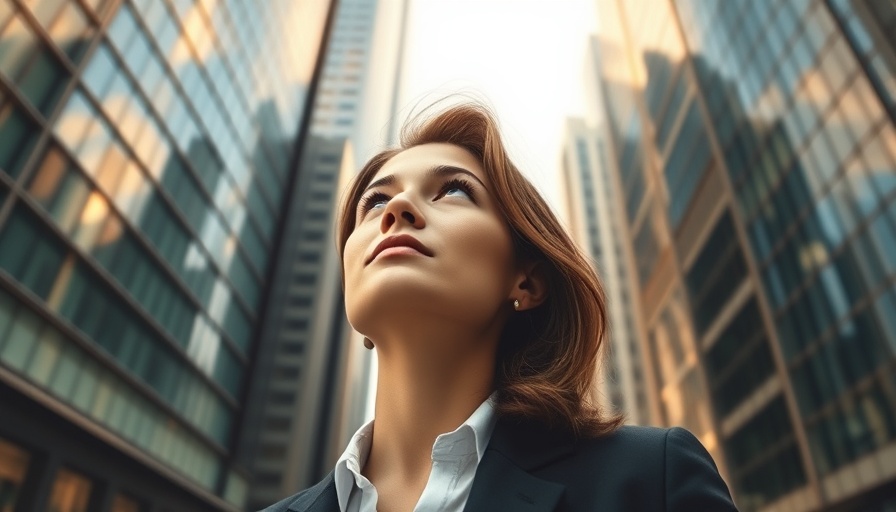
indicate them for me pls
(145, 151)
(756, 146)
(317, 371)
(593, 212)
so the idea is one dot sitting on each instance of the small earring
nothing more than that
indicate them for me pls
(368, 344)
(516, 304)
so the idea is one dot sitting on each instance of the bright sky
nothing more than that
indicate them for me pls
(524, 58)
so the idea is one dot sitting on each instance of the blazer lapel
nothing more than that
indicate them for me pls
(504, 480)
(502, 485)
(320, 498)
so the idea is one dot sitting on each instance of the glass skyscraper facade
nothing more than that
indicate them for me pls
(145, 152)
(755, 145)
(302, 415)
(593, 215)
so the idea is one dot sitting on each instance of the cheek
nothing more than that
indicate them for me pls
(352, 255)
(486, 253)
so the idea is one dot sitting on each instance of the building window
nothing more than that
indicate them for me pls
(277, 424)
(18, 133)
(71, 492)
(268, 478)
(282, 397)
(124, 503)
(13, 467)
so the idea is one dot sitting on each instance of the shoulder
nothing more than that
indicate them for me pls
(633, 435)
(647, 443)
(324, 490)
(645, 448)
(672, 459)
(646, 468)
(638, 450)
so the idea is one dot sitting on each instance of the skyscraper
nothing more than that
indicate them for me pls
(316, 372)
(593, 210)
(145, 156)
(755, 143)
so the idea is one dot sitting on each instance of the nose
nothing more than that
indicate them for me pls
(401, 210)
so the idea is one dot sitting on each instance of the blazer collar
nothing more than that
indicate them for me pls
(320, 498)
(504, 480)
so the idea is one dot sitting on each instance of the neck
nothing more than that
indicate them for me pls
(425, 387)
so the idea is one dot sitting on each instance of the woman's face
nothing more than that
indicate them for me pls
(429, 241)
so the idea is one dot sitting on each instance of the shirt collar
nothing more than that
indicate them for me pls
(347, 474)
(472, 436)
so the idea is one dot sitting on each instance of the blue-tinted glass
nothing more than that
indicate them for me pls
(818, 26)
(880, 168)
(878, 408)
(32, 253)
(861, 346)
(180, 184)
(137, 55)
(18, 133)
(255, 247)
(100, 71)
(123, 28)
(690, 131)
(24, 328)
(107, 320)
(885, 308)
(238, 326)
(760, 435)
(884, 78)
(869, 260)
(228, 371)
(847, 264)
(152, 76)
(43, 82)
(882, 237)
(244, 282)
(260, 212)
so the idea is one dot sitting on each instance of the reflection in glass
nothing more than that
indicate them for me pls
(17, 135)
(19, 45)
(124, 503)
(13, 467)
(71, 492)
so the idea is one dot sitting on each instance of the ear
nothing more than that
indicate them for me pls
(531, 286)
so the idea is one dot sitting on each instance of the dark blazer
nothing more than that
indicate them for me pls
(534, 470)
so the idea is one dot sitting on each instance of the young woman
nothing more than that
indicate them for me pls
(487, 322)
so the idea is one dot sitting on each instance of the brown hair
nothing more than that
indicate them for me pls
(547, 355)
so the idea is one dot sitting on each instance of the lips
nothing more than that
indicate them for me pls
(399, 241)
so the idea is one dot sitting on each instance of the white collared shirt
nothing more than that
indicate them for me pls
(455, 457)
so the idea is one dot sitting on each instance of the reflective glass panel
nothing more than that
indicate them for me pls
(13, 468)
(71, 492)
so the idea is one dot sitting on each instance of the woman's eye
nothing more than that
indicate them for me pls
(373, 201)
(456, 191)
(457, 188)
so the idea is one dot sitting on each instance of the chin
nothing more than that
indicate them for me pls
(393, 300)
(375, 309)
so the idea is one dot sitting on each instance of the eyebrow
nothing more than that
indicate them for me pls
(437, 171)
